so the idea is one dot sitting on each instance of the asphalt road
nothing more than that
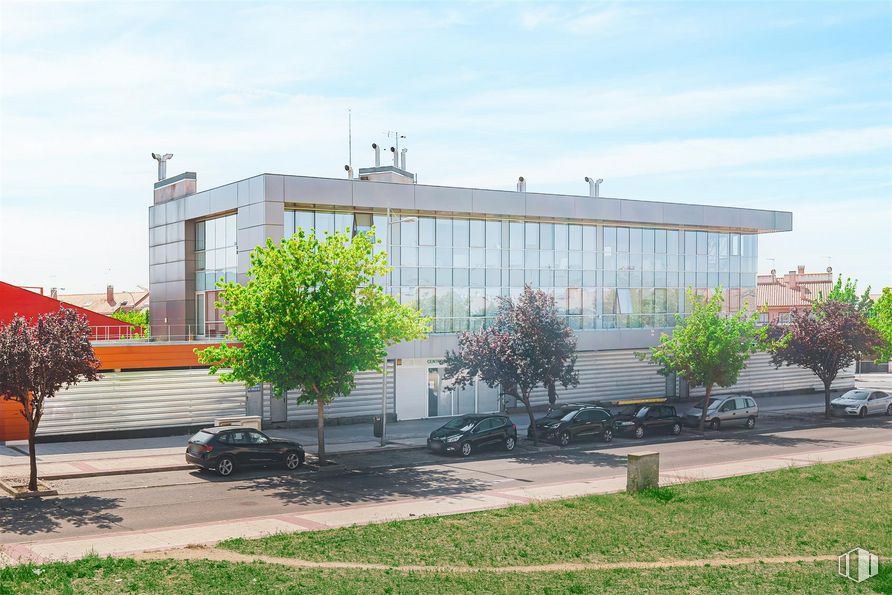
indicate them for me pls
(101, 505)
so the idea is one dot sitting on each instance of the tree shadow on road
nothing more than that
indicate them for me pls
(45, 515)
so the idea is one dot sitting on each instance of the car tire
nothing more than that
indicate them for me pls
(862, 412)
(639, 432)
(564, 438)
(750, 422)
(292, 460)
(607, 436)
(510, 443)
(676, 429)
(466, 449)
(716, 424)
(225, 466)
(889, 410)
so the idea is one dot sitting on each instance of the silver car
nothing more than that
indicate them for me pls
(861, 402)
(725, 410)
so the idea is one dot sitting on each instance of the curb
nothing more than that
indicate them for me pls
(182, 467)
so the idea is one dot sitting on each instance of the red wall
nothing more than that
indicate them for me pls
(15, 300)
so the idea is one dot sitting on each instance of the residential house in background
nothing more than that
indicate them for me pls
(107, 303)
(794, 290)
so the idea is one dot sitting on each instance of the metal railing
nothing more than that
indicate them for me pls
(159, 333)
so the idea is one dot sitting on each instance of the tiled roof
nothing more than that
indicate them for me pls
(98, 302)
(777, 294)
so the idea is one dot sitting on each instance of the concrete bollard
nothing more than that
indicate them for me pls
(643, 471)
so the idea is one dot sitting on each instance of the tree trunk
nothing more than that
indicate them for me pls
(552, 394)
(827, 399)
(526, 402)
(32, 455)
(320, 428)
(705, 407)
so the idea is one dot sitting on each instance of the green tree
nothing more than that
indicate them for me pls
(309, 318)
(708, 347)
(881, 320)
(847, 293)
(138, 318)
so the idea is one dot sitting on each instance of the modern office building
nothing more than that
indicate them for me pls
(617, 268)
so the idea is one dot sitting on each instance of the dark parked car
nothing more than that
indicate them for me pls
(640, 420)
(228, 448)
(470, 433)
(570, 422)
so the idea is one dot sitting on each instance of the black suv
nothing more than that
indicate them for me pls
(469, 433)
(227, 448)
(569, 422)
(639, 420)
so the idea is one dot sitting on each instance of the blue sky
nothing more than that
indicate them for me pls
(784, 105)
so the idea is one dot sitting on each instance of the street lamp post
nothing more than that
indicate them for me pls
(388, 287)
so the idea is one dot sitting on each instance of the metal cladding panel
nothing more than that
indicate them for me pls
(760, 376)
(139, 400)
(607, 375)
(365, 400)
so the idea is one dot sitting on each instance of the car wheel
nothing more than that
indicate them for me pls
(750, 423)
(607, 436)
(225, 466)
(889, 410)
(292, 460)
(676, 429)
(466, 449)
(862, 412)
(510, 443)
(715, 424)
(564, 438)
(639, 432)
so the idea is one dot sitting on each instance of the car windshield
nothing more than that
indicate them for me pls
(462, 424)
(558, 413)
(628, 410)
(569, 416)
(712, 403)
(856, 395)
(201, 437)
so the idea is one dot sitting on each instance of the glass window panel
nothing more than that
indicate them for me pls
(609, 278)
(562, 260)
(493, 258)
(702, 242)
(199, 282)
(623, 301)
(408, 276)
(444, 277)
(690, 243)
(409, 296)
(575, 260)
(478, 233)
(493, 234)
(426, 256)
(672, 237)
(647, 241)
(516, 278)
(515, 259)
(560, 300)
(723, 244)
(702, 263)
(546, 277)
(492, 301)
(647, 279)
(461, 233)
(659, 279)
(477, 298)
(427, 301)
(303, 220)
(515, 230)
(589, 260)
(712, 243)
(561, 278)
(231, 231)
(220, 231)
(532, 236)
(231, 258)
(635, 262)
(427, 235)
(289, 224)
(200, 261)
(460, 257)
(635, 239)
(531, 259)
(444, 232)
(427, 276)
(531, 277)
(574, 278)
(589, 278)
(477, 258)
(546, 259)
(210, 260)
(574, 301)
(408, 256)
(588, 237)
(546, 236)
(713, 280)
(344, 223)
(567, 237)
(493, 277)
(210, 235)
(460, 277)
(660, 241)
(735, 244)
(324, 223)
(477, 277)
(622, 239)
(363, 221)
(622, 278)
(634, 278)
(444, 257)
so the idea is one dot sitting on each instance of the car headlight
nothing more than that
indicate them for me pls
(455, 438)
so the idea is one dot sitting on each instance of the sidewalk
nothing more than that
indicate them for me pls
(131, 542)
(63, 460)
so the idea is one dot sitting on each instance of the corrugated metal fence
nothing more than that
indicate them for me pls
(363, 401)
(138, 400)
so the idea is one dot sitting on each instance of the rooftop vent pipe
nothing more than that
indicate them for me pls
(521, 184)
(349, 171)
(377, 154)
(396, 157)
(594, 186)
(403, 159)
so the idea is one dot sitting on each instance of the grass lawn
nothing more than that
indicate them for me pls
(97, 576)
(818, 510)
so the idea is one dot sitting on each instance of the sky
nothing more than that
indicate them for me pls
(781, 105)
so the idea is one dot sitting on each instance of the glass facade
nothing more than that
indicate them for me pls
(215, 260)
(602, 277)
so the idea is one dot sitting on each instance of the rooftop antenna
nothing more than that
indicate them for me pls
(350, 140)
(397, 136)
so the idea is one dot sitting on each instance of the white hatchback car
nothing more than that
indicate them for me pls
(861, 402)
